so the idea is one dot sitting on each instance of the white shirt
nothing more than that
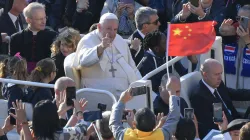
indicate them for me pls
(212, 91)
(13, 19)
(142, 35)
(209, 87)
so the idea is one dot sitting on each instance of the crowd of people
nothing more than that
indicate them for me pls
(112, 44)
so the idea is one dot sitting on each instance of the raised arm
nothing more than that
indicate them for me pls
(89, 54)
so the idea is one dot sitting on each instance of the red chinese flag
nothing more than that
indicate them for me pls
(190, 38)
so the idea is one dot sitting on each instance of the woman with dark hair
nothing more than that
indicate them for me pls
(46, 124)
(14, 68)
(65, 44)
(44, 72)
(186, 130)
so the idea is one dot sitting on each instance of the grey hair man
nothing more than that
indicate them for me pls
(147, 21)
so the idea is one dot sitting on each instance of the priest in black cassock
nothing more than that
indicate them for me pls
(34, 42)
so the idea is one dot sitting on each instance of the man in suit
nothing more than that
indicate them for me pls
(10, 20)
(211, 89)
(147, 21)
(161, 102)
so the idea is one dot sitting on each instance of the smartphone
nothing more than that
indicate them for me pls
(244, 22)
(124, 118)
(194, 2)
(189, 113)
(102, 107)
(12, 119)
(70, 94)
(217, 109)
(139, 90)
(91, 116)
(127, 1)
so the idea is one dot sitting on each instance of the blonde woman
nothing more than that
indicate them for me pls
(65, 44)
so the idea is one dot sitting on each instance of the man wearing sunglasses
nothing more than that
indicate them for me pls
(147, 21)
(236, 49)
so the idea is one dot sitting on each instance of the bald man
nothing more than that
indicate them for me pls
(105, 59)
(211, 89)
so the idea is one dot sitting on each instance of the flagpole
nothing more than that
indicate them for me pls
(167, 45)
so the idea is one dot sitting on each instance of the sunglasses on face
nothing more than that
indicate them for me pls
(238, 18)
(154, 22)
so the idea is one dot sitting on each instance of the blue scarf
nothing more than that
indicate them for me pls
(230, 55)
(246, 63)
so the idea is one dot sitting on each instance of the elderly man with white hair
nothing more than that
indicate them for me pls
(105, 59)
(35, 41)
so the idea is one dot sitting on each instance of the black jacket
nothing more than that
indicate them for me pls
(161, 107)
(12, 93)
(202, 101)
(148, 65)
(59, 60)
(23, 42)
(41, 94)
(7, 26)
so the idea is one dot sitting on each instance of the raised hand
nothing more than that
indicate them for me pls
(185, 12)
(20, 111)
(227, 27)
(196, 10)
(120, 7)
(244, 34)
(63, 108)
(106, 41)
(126, 96)
(135, 44)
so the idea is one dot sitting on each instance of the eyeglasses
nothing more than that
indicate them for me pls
(41, 19)
(238, 18)
(154, 22)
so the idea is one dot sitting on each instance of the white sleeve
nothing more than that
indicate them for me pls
(226, 136)
(88, 56)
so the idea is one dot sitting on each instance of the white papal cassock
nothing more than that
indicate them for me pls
(96, 72)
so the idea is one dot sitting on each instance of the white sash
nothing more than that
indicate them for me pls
(127, 68)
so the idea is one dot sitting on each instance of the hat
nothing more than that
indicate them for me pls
(107, 16)
(236, 125)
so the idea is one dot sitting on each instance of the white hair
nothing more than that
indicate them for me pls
(27, 11)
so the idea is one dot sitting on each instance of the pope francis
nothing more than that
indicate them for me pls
(105, 59)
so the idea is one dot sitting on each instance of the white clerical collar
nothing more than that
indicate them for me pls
(142, 35)
(209, 87)
(34, 32)
(12, 17)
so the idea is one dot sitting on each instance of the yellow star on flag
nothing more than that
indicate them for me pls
(177, 31)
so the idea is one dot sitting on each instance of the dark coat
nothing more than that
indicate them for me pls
(23, 42)
(41, 94)
(202, 101)
(7, 26)
(59, 60)
(148, 65)
(161, 107)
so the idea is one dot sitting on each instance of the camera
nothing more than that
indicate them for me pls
(102, 107)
